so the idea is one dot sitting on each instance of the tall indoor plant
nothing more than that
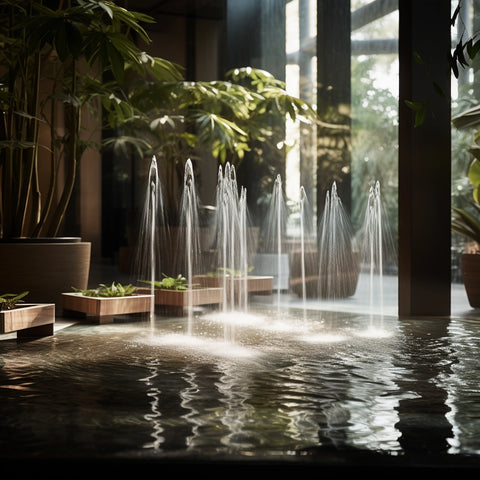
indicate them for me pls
(54, 62)
(58, 59)
(466, 221)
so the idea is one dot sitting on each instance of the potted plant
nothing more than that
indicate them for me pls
(466, 220)
(58, 61)
(28, 320)
(104, 302)
(175, 294)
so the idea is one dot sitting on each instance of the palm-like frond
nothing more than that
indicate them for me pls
(466, 224)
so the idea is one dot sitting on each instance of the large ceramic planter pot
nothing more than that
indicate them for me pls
(45, 268)
(471, 277)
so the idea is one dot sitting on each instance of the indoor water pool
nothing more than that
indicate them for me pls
(284, 387)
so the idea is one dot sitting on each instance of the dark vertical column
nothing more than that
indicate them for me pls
(424, 159)
(190, 45)
(333, 99)
(255, 37)
(273, 57)
(272, 32)
(242, 29)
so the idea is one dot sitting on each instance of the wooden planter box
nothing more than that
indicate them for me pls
(29, 320)
(175, 301)
(103, 309)
(260, 284)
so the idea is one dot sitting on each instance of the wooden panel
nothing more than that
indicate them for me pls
(27, 316)
(255, 283)
(100, 306)
(260, 284)
(183, 298)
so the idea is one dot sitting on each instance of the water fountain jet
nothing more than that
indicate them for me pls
(273, 241)
(189, 224)
(377, 246)
(148, 259)
(338, 262)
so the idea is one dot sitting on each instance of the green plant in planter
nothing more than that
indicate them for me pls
(113, 290)
(169, 283)
(467, 221)
(9, 301)
(59, 60)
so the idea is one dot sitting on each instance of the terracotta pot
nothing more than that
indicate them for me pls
(471, 277)
(45, 268)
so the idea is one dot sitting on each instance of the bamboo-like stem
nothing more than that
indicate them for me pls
(31, 191)
(72, 118)
(47, 206)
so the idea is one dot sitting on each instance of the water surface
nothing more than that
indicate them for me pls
(290, 385)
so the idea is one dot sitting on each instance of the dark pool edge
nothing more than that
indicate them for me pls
(368, 463)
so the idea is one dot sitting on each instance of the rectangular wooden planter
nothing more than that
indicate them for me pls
(176, 301)
(103, 309)
(29, 320)
(261, 284)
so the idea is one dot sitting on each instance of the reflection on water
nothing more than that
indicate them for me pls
(289, 383)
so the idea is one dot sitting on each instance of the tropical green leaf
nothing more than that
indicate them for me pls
(130, 19)
(465, 224)
(170, 283)
(467, 119)
(474, 170)
(125, 145)
(420, 110)
(8, 301)
(107, 9)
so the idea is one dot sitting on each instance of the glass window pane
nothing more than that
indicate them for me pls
(374, 124)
